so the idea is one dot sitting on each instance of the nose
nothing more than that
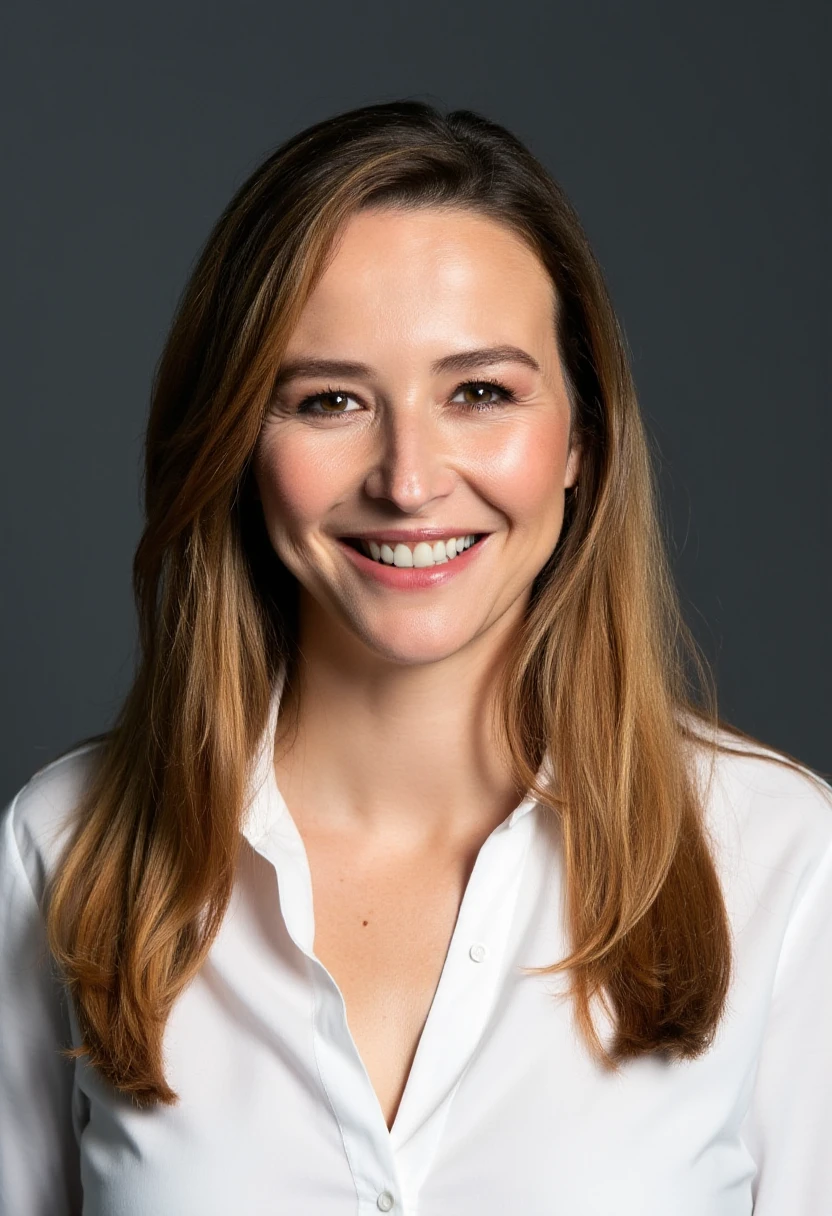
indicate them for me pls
(411, 466)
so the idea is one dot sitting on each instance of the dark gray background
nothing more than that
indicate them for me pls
(691, 137)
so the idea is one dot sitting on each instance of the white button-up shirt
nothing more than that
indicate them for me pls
(504, 1110)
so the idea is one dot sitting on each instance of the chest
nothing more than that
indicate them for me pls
(383, 924)
(505, 1113)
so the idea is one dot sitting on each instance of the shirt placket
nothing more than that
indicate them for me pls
(341, 1071)
(475, 970)
(389, 1166)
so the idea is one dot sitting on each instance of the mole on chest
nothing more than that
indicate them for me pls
(384, 942)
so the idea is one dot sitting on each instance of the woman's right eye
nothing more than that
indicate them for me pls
(332, 404)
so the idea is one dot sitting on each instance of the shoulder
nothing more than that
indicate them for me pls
(768, 816)
(35, 825)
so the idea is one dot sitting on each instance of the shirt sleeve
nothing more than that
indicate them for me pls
(789, 1126)
(39, 1154)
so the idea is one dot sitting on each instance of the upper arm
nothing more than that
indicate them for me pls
(39, 1156)
(789, 1123)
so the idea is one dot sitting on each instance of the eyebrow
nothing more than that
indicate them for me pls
(462, 361)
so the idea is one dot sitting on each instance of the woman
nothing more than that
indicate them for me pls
(413, 877)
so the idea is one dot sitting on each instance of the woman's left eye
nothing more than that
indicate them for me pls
(481, 395)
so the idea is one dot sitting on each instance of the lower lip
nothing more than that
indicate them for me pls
(411, 578)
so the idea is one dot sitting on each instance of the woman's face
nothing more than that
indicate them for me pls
(420, 398)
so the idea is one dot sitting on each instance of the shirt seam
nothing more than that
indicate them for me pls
(802, 900)
(62, 993)
(18, 856)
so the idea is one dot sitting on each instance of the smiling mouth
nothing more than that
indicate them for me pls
(421, 555)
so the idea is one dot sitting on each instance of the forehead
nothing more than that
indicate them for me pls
(431, 277)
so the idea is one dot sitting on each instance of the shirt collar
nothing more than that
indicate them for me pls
(263, 803)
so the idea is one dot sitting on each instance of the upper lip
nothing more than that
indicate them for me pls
(411, 536)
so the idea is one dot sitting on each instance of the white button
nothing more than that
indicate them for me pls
(477, 952)
(384, 1203)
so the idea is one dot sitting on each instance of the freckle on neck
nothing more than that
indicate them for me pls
(365, 922)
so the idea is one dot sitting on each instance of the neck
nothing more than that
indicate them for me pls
(387, 748)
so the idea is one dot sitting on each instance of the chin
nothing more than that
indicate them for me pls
(413, 646)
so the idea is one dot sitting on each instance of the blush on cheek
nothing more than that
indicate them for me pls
(526, 471)
(295, 485)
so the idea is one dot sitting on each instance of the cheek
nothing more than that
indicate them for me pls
(525, 471)
(297, 485)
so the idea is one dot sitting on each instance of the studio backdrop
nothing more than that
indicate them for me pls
(691, 138)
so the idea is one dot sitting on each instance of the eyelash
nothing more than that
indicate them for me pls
(494, 385)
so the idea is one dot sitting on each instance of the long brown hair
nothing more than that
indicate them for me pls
(599, 674)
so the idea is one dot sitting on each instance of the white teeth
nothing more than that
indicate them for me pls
(422, 554)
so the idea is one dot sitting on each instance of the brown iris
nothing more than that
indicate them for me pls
(478, 394)
(327, 399)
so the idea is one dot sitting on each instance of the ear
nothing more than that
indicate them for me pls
(573, 466)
